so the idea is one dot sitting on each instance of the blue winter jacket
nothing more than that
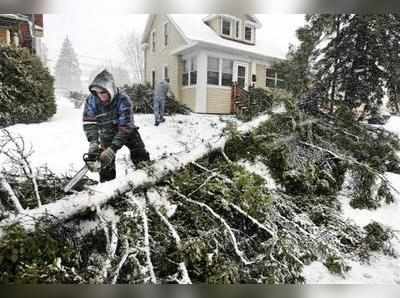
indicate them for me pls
(111, 124)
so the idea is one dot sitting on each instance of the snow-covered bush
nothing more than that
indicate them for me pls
(142, 97)
(26, 88)
(377, 237)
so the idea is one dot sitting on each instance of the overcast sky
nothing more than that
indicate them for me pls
(97, 37)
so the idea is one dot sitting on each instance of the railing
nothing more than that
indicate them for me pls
(240, 99)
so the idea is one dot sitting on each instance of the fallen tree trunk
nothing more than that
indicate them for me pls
(99, 195)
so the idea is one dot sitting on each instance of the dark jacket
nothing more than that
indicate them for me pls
(112, 124)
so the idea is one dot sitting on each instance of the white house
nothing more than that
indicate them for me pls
(203, 55)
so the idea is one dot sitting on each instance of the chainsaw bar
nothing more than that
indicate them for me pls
(78, 176)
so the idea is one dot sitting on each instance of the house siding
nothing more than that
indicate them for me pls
(260, 76)
(218, 100)
(215, 24)
(161, 57)
(188, 97)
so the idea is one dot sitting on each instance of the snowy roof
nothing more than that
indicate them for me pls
(196, 32)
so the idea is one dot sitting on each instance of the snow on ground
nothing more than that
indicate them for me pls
(381, 269)
(393, 125)
(60, 142)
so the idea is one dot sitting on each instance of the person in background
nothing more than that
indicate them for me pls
(161, 91)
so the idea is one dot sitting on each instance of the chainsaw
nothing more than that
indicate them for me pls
(92, 163)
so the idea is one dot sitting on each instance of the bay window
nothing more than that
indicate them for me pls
(185, 73)
(193, 71)
(189, 75)
(212, 71)
(227, 72)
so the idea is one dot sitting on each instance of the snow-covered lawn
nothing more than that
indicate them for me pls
(60, 142)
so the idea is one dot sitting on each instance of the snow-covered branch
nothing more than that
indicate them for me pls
(10, 192)
(238, 252)
(121, 263)
(352, 161)
(185, 278)
(19, 155)
(150, 267)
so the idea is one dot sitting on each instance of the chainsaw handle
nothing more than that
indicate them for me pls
(88, 157)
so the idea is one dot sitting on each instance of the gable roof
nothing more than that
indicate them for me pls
(149, 24)
(195, 32)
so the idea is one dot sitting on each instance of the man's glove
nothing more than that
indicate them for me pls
(94, 166)
(107, 156)
(93, 147)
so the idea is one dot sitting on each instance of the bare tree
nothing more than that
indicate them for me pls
(134, 56)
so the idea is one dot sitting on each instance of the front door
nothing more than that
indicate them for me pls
(241, 74)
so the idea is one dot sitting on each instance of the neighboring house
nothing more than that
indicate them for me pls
(204, 54)
(24, 30)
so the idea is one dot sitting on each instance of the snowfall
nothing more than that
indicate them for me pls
(60, 143)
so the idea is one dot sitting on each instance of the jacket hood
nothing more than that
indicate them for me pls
(106, 81)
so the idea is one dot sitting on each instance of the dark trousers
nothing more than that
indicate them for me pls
(138, 153)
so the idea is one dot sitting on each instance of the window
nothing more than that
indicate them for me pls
(153, 41)
(273, 81)
(248, 33)
(193, 71)
(237, 31)
(213, 71)
(185, 74)
(153, 79)
(165, 34)
(226, 27)
(189, 76)
(227, 72)
(165, 72)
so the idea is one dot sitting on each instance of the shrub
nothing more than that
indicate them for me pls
(26, 88)
(142, 97)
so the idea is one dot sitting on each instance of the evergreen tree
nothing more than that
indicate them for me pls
(391, 50)
(68, 73)
(295, 70)
(26, 88)
(346, 59)
(356, 63)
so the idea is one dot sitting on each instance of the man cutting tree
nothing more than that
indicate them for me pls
(108, 124)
